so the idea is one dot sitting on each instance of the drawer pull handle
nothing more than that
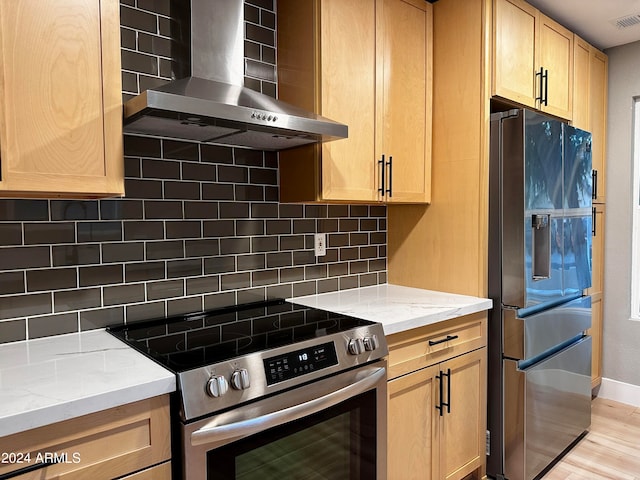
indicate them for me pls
(30, 468)
(442, 340)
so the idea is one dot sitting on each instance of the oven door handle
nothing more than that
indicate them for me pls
(215, 433)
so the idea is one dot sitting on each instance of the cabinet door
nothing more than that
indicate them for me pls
(556, 58)
(404, 47)
(597, 265)
(410, 425)
(596, 336)
(597, 250)
(327, 64)
(581, 53)
(598, 117)
(347, 71)
(60, 98)
(515, 24)
(462, 428)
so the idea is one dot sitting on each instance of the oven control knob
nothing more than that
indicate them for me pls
(240, 379)
(370, 343)
(217, 386)
(356, 346)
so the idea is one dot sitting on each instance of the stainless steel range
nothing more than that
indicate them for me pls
(272, 390)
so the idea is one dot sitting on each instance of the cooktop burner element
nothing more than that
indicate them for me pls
(229, 356)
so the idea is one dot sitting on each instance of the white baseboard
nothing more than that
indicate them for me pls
(620, 392)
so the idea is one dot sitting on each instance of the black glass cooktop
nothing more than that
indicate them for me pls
(190, 341)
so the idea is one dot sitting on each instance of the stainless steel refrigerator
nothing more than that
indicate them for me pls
(540, 221)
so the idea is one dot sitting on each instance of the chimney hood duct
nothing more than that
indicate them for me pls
(212, 105)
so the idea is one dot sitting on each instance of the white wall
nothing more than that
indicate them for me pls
(621, 349)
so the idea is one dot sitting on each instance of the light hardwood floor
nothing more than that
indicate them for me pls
(611, 449)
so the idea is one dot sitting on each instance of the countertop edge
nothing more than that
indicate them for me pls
(27, 366)
(392, 297)
(48, 415)
(403, 326)
(396, 307)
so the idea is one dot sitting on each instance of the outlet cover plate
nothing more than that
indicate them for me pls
(320, 244)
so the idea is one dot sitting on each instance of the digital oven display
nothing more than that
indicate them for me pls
(300, 362)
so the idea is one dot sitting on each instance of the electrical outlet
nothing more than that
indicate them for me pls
(320, 244)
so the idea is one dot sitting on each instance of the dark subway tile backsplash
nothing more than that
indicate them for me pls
(10, 234)
(11, 282)
(47, 233)
(24, 210)
(15, 306)
(200, 226)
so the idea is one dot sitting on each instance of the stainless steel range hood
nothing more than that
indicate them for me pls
(212, 105)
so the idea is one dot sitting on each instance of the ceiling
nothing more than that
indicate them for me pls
(595, 20)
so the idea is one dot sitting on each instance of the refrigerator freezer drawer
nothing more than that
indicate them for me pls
(546, 407)
(532, 335)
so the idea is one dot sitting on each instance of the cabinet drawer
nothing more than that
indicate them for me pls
(421, 347)
(159, 472)
(107, 444)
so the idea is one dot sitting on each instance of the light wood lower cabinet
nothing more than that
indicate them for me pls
(103, 445)
(596, 340)
(159, 472)
(411, 429)
(437, 401)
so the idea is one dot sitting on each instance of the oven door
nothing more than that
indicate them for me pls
(328, 429)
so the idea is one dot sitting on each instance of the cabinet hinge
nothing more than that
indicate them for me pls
(488, 443)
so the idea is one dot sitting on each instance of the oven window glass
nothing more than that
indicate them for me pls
(337, 443)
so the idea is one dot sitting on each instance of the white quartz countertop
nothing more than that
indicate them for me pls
(397, 308)
(52, 379)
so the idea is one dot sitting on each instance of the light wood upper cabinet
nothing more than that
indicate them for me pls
(328, 46)
(581, 73)
(514, 59)
(404, 98)
(590, 106)
(598, 73)
(532, 58)
(556, 58)
(365, 63)
(60, 99)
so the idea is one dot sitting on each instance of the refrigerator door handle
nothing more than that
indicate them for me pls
(541, 240)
